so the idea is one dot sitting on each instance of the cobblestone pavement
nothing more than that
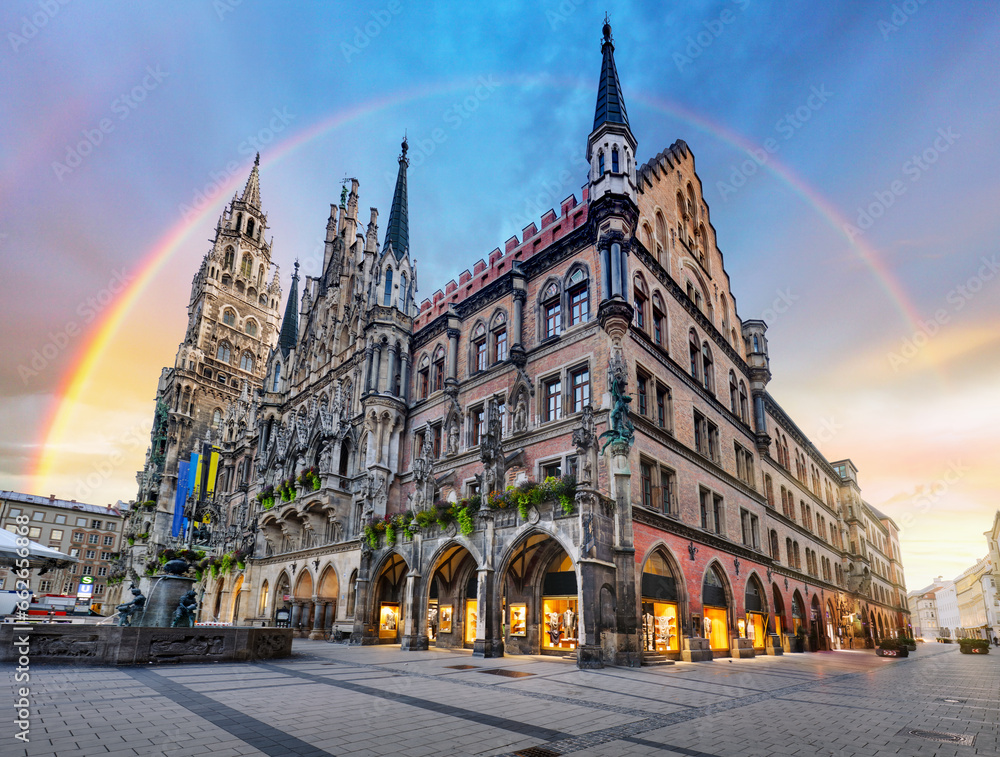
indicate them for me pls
(331, 699)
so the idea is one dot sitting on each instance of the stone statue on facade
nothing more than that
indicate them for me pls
(326, 459)
(491, 451)
(127, 610)
(520, 414)
(585, 441)
(186, 608)
(453, 438)
(620, 428)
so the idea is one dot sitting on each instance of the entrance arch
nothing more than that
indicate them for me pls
(660, 604)
(716, 601)
(234, 616)
(452, 598)
(217, 611)
(816, 635)
(539, 597)
(303, 606)
(831, 625)
(756, 607)
(798, 613)
(780, 619)
(388, 598)
(282, 593)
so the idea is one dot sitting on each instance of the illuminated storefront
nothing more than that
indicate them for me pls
(471, 618)
(797, 616)
(755, 626)
(715, 611)
(560, 613)
(388, 620)
(660, 619)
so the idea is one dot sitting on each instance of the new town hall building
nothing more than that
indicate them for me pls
(571, 449)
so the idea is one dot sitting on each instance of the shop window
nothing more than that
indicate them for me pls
(660, 617)
(715, 621)
(560, 612)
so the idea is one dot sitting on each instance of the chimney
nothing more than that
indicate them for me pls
(52, 498)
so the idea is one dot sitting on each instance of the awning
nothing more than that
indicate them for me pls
(38, 556)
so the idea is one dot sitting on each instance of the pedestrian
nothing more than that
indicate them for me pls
(996, 642)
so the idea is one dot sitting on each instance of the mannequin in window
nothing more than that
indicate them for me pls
(707, 622)
(555, 630)
(569, 623)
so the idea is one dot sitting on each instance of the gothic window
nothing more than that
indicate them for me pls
(246, 265)
(659, 320)
(775, 553)
(642, 386)
(207, 372)
(260, 275)
(579, 298)
(664, 409)
(580, 382)
(646, 487)
(277, 377)
(424, 379)
(708, 375)
(229, 260)
(250, 227)
(480, 349)
(641, 296)
(227, 280)
(229, 317)
(694, 351)
(216, 417)
(387, 300)
(439, 369)
(744, 407)
(769, 490)
(478, 421)
(600, 163)
(402, 292)
(614, 160)
(239, 222)
(734, 394)
(246, 362)
(500, 344)
(552, 311)
(224, 353)
(251, 327)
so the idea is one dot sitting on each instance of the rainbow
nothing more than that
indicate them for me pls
(57, 425)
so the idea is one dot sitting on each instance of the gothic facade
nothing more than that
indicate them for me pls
(569, 450)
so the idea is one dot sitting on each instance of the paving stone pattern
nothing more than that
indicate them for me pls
(332, 699)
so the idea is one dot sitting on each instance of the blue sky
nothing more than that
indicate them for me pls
(510, 90)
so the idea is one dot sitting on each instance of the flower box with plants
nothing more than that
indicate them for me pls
(892, 648)
(266, 497)
(309, 478)
(974, 646)
(287, 490)
(909, 641)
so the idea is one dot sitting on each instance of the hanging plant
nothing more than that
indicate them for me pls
(465, 524)
(226, 564)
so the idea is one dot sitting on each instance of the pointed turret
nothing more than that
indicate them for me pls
(610, 104)
(290, 323)
(397, 234)
(251, 192)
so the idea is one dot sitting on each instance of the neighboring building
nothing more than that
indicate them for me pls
(90, 533)
(972, 605)
(993, 600)
(924, 613)
(949, 619)
(710, 515)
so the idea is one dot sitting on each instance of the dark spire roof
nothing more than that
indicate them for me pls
(397, 234)
(610, 105)
(290, 323)
(251, 192)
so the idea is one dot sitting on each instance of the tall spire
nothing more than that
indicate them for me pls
(251, 192)
(290, 323)
(610, 105)
(397, 234)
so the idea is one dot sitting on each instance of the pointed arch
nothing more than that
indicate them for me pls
(387, 298)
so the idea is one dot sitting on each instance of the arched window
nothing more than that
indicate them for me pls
(708, 374)
(480, 349)
(230, 258)
(439, 369)
(551, 311)
(579, 298)
(239, 222)
(694, 350)
(641, 296)
(216, 417)
(265, 599)
(744, 406)
(246, 265)
(260, 275)
(775, 554)
(614, 160)
(402, 292)
(223, 353)
(229, 317)
(251, 327)
(600, 163)
(246, 361)
(769, 490)
(387, 299)
(424, 378)
(734, 394)
(277, 377)
(499, 337)
(659, 320)
(262, 301)
(250, 227)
